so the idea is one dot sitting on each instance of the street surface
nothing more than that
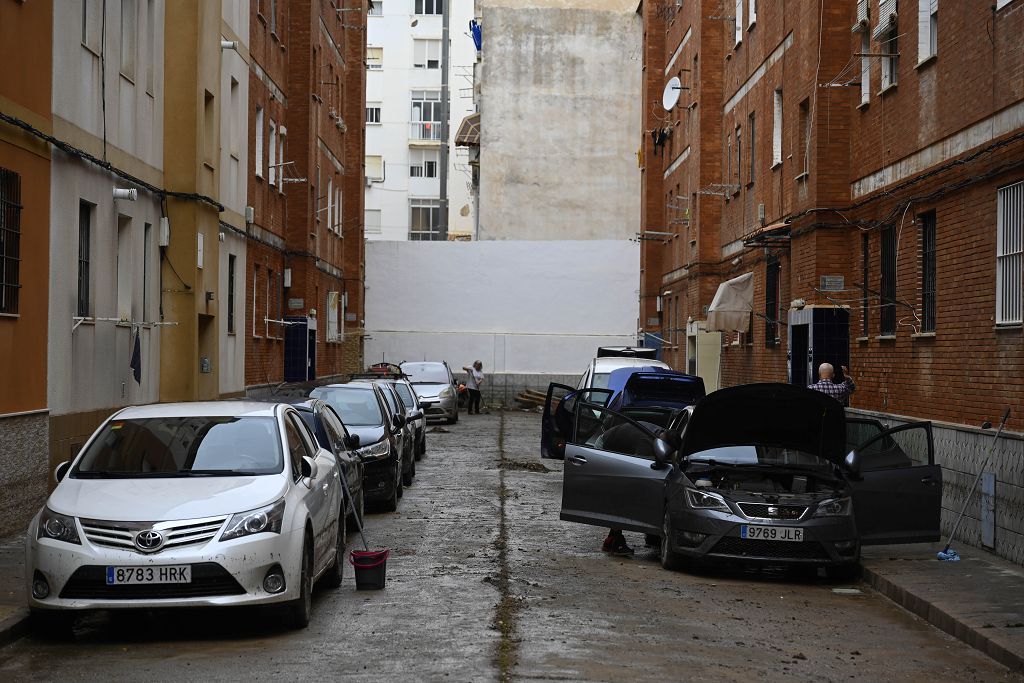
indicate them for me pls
(485, 583)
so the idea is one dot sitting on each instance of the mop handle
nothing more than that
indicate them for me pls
(970, 494)
(352, 504)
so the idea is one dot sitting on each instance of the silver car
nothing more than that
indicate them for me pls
(189, 504)
(755, 474)
(435, 386)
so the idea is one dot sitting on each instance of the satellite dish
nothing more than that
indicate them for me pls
(670, 97)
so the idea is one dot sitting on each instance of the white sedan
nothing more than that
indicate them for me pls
(190, 504)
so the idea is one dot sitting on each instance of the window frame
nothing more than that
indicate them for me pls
(432, 204)
(1009, 255)
(10, 241)
(928, 228)
(85, 220)
(887, 282)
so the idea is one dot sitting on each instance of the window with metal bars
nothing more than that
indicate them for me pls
(865, 254)
(84, 240)
(887, 309)
(772, 278)
(927, 271)
(1009, 254)
(10, 240)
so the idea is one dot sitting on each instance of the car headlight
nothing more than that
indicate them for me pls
(58, 527)
(447, 392)
(377, 451)
(705, 500)
(265, 519)
(834, 507)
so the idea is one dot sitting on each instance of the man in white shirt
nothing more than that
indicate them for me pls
(473, 384)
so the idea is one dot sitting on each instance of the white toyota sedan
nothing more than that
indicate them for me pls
(190, 504)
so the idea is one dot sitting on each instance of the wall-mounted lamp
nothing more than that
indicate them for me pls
(125, 193)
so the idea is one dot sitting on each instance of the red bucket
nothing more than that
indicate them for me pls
(370, 568)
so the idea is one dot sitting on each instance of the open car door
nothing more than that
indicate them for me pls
(899, 496)
(611, 478)
(556, 422)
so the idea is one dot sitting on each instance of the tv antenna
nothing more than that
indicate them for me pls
(670, 96)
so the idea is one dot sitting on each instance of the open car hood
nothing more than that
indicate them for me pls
(779, 415)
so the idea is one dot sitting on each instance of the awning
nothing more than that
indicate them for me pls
(732, 305)
(776, 234)
(469, 131)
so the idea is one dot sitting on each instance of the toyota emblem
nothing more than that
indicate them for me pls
(149, 540)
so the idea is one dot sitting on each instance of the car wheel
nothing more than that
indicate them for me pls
(336, 573)
(399, 487)
(407, 476)
(421, 448)
(300, 609)
(51, 624)
(391, 502)
(669, 559)
(843, 572)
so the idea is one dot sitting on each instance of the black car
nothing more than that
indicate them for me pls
(415, 414)
(757, 474)
(331, 434)
(367, 416)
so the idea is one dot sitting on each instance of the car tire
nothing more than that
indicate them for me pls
(843, 572)
(409, 474)
(390, 503)
(421, 448)
(51, 624)
(670, 559)
(336, 572)
(399, 486)
(299, 610)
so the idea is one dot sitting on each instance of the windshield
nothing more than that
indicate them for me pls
(761, 455)
(357, 406)
(426, 373)
(405, 394)
(182, 447)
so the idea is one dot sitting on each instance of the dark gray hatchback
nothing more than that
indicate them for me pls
(754, 474)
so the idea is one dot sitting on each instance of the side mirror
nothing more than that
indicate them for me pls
(399, 421)
(309, 468)
(61, 471)
(417, 415)
(352, 441)
(663, 452)
(852, 463)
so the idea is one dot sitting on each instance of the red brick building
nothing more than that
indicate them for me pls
(861, 160)
(307, 89)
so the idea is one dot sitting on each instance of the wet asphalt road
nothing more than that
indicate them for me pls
(484, 583)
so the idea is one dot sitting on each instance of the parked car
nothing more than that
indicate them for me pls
(364, 410)
(754, 474)
(611, 358)
(330, 433)
(189, 504)
(645, 393)
(435, 386)
(414, 409)
(405, 435)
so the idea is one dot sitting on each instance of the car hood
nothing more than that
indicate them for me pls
(429, 390)
(768, 414)
(367, 435)
(164, 498)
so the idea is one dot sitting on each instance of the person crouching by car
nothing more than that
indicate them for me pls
(474, 381)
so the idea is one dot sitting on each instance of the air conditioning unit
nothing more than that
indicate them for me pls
(250, 215)
(760, 213)
(165, 232)
(369, 181)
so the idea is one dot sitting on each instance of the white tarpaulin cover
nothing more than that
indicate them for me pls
(732, 305)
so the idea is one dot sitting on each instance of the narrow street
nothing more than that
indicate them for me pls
(485, 583)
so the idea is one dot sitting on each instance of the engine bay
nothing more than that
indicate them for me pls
(767, 483)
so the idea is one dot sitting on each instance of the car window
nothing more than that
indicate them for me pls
(335, 430)
(389, 396)
(599, 380)
(297, 447)
(405, 394)
(356, 405)
(606, 430)
(427, 373)
(182, 447)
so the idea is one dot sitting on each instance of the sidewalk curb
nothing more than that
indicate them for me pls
(14, 626)
(941, 619)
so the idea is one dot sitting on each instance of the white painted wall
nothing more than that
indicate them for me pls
(391, 88)
(520, 307)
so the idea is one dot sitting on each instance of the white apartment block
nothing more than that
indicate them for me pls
(403, 119)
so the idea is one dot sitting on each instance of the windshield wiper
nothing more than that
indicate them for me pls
(219, 473)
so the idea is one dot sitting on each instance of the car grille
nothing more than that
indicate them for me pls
(776, 550)
(763, 511)
(176, 534)
(208, 579)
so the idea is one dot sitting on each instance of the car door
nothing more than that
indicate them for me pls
(347, 466)
(611, 478)
(317, 495)
(556, 421)
(898, 498)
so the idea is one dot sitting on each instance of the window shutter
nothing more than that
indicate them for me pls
(332, 316)
(863, 16)
(886, 18)
(777, 130)
(924, 30)
(375, 167)
(752, 13)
